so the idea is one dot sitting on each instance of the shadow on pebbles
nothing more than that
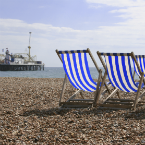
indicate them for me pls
(30, 114)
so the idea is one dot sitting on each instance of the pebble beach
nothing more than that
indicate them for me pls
(30, 114)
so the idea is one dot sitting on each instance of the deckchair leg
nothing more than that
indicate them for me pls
(98, 85)
(64, 55)
(105, 71)
(98, 93)
(63, 88)
(138, 91)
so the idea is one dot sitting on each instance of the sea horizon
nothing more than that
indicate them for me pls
(48, 72)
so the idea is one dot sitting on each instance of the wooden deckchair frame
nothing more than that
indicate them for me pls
(71, 102)
(124, 103)
(135, 72)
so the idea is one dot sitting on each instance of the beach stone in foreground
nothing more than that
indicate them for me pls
(30, 114)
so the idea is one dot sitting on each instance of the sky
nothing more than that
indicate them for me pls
(102, 25)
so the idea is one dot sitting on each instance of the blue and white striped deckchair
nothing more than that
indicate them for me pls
(120, 74)
(141, 61)
(76, 67)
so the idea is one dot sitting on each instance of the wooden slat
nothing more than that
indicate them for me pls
(96, 97)
(138, 91)
(93, 59)
(122, 100)
(115, 106)
(141, 102)
(113, 93)
(63, 88)
(75, 103)
(87, 100)
(126, 103)
(107, 108)
(73, 96)
(75, 106)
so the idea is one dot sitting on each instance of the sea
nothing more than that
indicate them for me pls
(48, 72)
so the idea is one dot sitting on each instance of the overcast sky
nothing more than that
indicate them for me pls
(101, 25)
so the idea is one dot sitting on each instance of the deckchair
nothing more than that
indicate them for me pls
(76, 69)
(119, 72)
(141, 61)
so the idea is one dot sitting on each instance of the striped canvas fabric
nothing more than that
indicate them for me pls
(119, 73)
(76, 67)
(141, 62)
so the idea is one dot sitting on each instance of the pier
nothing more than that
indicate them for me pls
(21, 67)
(20, 61)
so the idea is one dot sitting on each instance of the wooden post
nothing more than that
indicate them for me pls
(74, 95)
(97, 88)
(100, 91)
(104, 68)
(138, 91)
(133, 56)
(63, 88)
(88, 50)
(58, 55)
(101, 60)
(113, 93)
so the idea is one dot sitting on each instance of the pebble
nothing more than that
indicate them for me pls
(30, 115)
